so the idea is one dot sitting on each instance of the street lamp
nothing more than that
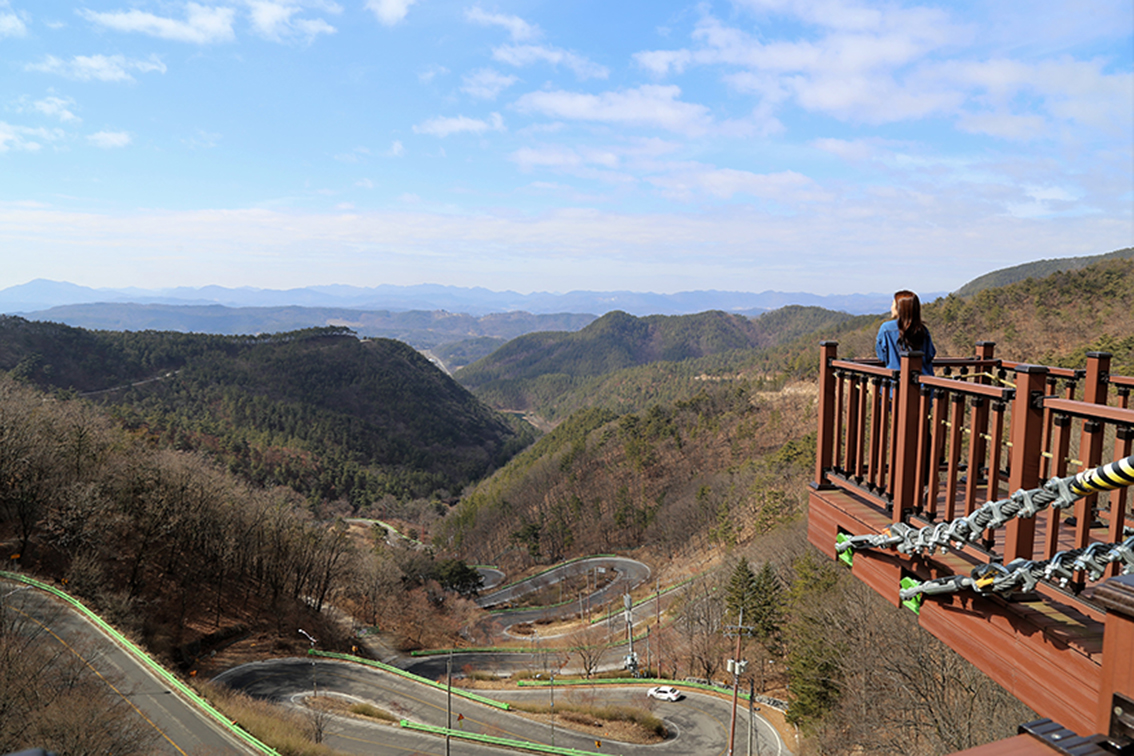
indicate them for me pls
(314, 682)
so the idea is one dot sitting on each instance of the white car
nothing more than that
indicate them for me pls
(664, 693)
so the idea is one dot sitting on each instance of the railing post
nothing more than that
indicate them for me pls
(907, 426)
(1091, 442)
(1117, 670)
(825, 443)
(1027, 437)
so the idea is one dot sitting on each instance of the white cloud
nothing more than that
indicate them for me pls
(445, 126)
(853, 150)
(364, 183)
(389, 12)
(98, 67)
(787, 187)
(202, 140)
(202, 25)
(274, 19)
(1054, 90)
(11, 25)
(396, 149)
(650, 105)
(526, 55)
(56, 107)
(23, 138)
(559, 157)
(864, 64)
(487, 83)
(431, 73)
(109, 140)
(518, 28)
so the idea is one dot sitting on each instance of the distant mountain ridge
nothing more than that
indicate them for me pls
(419, 328)
(32, 298)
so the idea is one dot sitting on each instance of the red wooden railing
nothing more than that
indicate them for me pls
(936, 447)
(896, 445)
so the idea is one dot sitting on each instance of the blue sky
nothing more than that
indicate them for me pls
(831, 146)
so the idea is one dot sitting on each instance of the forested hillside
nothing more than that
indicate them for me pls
(331, 416)
(1036, 269)
(625, 363)
(714, 469)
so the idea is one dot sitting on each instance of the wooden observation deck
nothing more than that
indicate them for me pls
(894, 445)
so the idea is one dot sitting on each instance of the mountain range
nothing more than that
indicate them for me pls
(37, 298)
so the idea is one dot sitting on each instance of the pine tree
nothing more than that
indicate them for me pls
(767, 608)
(742, 592)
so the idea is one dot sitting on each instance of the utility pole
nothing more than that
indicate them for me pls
(736, 666)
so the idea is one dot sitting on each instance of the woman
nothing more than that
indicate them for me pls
(905, 333)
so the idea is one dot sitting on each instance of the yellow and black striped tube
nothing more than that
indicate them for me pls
(1105, 478)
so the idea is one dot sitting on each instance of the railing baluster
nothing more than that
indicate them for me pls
(863, 394)
(978, 428)
(939, 399)
(836, 456)
(956, 424)
(854, 456)
(875, 430)
(1061, 445)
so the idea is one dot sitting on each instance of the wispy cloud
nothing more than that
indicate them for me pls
(787, 187)
(519, 29)
(431, 73)
(109, 140)
(526, 55)
(23, 138)
(650, 105)
(487, 83)
(11, 25)
(396, 149)
(447, 126)
(98, 67)
(202, 24)
(389, 12)
(276, 19)
(56, 107)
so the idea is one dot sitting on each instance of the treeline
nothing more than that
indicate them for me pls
(176, 550)
(318, 410)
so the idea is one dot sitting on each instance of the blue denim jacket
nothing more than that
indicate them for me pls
(886, 347)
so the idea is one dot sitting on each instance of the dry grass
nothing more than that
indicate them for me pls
(289, 732)
(632, 724)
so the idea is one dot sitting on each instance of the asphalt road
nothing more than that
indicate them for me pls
(629, 573)
(698, 723)
(180, 728)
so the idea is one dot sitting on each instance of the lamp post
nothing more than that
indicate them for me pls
(314, 682)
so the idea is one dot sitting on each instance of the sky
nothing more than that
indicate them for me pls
(831, 146)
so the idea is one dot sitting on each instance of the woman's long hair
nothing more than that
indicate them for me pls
(912, 331)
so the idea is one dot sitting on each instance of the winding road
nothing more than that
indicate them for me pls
(698, 724)
(179, 727)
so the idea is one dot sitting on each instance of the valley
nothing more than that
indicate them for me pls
(210, 495)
